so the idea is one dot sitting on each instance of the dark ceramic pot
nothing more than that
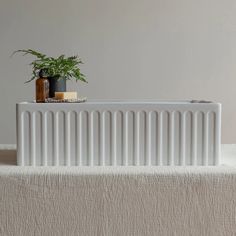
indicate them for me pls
(56, 84)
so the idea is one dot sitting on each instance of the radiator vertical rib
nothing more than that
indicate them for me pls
(160, 139)
(44, 138)
(32, 139)
(217, 147)
(149, 138)
(194, 138)
(91, 138)
(55, 138)
(125, 133)
(102, 139)
(114, 138)
(183, 139)
(67, 139)
(137, 139)
(80, 147)
(205, 139)
(20, 138)
(171, 137)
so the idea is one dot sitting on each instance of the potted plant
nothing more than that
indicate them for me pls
(58, 70)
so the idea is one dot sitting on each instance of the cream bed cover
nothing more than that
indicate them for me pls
(118, 201)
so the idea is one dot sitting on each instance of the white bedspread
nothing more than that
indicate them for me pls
(120, 201)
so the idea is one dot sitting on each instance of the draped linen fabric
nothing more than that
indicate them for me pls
(119, 201)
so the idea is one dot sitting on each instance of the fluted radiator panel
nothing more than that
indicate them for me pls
(149, 135)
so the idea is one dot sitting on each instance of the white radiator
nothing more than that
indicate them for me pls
(101, 133)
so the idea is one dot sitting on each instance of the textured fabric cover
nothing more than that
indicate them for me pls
(117, 201)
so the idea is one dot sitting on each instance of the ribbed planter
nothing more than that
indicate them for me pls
(56, 84)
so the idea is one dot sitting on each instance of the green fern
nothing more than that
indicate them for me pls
(60, 67)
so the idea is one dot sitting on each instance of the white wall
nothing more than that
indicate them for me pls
(160, 49)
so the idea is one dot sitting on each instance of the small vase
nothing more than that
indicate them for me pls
(56, 84)
(42, 89)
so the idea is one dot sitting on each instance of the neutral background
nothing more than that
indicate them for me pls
(159, 49)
